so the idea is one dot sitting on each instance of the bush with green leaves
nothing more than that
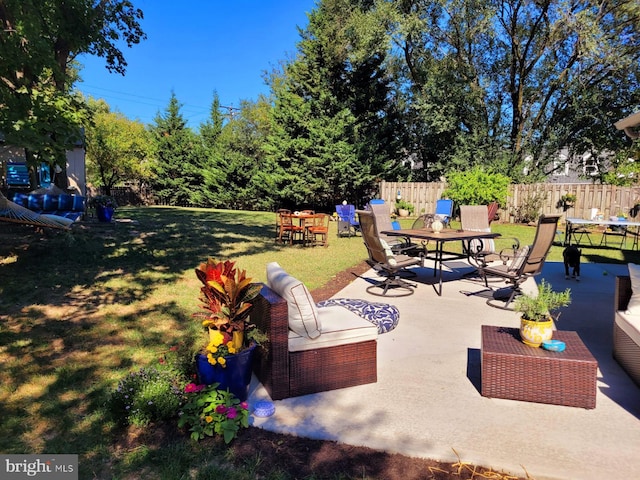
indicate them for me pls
(209, 411)
(530, 207)
(147, 395)
(477, 187)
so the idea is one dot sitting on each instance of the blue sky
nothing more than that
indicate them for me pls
(197, 47)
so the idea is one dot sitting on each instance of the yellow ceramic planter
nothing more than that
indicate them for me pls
(534, 333)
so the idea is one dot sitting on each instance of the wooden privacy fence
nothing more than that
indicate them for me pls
(608, 199)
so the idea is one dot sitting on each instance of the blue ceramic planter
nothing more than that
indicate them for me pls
(104, 213)
(236, 376)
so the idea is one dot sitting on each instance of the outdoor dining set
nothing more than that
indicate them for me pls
(306, 227)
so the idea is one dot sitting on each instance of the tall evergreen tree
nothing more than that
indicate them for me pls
(176, 174)
(209, 158)
(333, 118)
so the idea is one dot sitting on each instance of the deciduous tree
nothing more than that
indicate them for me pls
(38, 44)
(117, 149)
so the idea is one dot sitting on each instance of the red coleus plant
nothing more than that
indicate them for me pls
(226, 294)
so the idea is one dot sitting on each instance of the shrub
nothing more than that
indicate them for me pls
(477, 187)
(148, 395)
(529, 209)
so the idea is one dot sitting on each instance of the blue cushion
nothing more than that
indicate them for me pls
(21, 199)
(382, 315)
(65, 202)
(36, 202)
(78, 203)
(50, 202)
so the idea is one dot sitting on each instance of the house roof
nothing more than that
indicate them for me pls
(630, 125)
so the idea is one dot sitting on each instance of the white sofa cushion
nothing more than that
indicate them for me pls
(633, 308)
(630, 324)
(340, 326)
(304, 319)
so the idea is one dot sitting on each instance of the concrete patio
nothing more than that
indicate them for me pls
(427, 400)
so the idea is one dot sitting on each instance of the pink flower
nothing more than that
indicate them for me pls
(221, 409)
(232, 413)
(244, 406)
(192, 387)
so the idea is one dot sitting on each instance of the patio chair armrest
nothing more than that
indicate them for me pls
(411, 249)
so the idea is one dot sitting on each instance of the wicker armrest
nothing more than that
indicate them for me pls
(270, 314)
(622, 292)
(626, 347)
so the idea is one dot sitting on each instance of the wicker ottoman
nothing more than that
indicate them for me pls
(515, 371)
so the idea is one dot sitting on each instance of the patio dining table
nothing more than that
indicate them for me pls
(301, 221)
(574, 224)
(440, 238)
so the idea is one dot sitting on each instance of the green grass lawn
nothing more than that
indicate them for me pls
(80, 310)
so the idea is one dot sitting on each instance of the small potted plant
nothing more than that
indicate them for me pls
(404, 208)
(536, 320)
(227, 354)
(105, 205)
(567, 201)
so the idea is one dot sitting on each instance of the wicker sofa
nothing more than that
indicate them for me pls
(68, 206)
(285, 373)
(626, 330)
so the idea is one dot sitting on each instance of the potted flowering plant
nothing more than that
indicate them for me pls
(209, 411)
(567, 201)
(104, 201)
(105, 206)
(226, 296)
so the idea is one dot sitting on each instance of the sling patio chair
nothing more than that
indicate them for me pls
(347, 223)
(383, 223)
(521, 263)
(474, 218)
(385, 262)
(444, 211)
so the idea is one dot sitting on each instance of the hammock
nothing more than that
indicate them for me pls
(12, 212)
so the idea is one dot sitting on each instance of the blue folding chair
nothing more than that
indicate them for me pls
(347, 223)
(444, 210)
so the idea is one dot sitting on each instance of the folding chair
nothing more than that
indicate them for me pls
(444, 210)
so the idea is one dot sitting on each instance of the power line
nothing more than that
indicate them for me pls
(230, 109)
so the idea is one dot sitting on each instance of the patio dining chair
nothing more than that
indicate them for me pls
(385, 262)
(382, 214)
(520, 264)
(318, 233)
(475, 218)
(287, 229)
